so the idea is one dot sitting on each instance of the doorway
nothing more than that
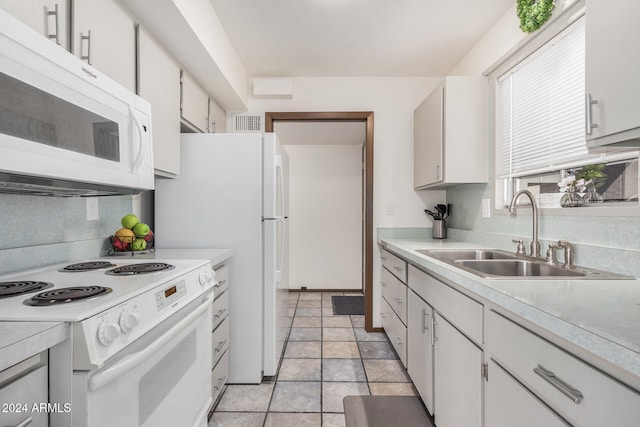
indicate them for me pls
(367, 214)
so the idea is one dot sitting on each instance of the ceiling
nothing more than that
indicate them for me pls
(355, 37)
(320, 133)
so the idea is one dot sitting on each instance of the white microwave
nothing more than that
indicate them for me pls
(65, 128)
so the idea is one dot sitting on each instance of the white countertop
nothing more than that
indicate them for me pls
(598, 320)
(21, 340)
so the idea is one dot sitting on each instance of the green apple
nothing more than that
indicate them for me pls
(139, 244)
(141, 229)
(129, 221)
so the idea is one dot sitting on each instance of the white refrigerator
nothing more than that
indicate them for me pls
(232, 192)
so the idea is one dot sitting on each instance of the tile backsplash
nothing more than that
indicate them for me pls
(37, 230)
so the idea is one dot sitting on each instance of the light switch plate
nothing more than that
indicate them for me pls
(391, 209)
(93, 213)
(486, 208)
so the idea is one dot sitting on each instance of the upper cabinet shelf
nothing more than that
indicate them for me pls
(612, 83)
(450, 134)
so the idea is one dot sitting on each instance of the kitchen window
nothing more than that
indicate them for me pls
(540, 130)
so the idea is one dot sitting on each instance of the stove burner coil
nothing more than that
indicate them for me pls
(65, 295)
(87, 266)
(142, 268)
(10, 289)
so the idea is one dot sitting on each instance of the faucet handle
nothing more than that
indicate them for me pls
(520, 249)
(551, 254)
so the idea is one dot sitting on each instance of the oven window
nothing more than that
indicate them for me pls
(29, 113)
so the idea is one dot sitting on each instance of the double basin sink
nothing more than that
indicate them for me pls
(496, 264)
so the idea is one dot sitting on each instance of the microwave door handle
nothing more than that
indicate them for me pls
(137, 131)
(129, 362)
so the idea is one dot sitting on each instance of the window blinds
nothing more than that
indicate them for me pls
(541, 108)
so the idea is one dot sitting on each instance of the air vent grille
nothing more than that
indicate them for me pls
(248, 123)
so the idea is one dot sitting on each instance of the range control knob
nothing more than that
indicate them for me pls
(107, 332)
(206, 277)
(129, 320)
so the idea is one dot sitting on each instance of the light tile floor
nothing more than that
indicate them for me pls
(326, 358)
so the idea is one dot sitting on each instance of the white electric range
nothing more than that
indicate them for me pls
(141, 335)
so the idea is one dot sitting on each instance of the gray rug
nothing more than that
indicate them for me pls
(347, 304)
(385, 411)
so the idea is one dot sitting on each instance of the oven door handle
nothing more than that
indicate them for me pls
(129, 362)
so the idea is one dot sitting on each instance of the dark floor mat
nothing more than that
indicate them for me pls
(347, 304)
(385, 411)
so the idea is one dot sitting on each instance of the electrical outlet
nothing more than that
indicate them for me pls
(391, 209)
(486, 208)
(93, 213)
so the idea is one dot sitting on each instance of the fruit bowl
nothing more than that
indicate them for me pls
(131, 246)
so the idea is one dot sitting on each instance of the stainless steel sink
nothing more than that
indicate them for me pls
(466, 254)
(498, 264)
(518, 268)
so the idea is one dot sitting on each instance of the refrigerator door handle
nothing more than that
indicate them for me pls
(280, 186)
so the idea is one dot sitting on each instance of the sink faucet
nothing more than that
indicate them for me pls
(535, 244)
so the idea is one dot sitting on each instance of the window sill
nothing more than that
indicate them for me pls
(608, 210)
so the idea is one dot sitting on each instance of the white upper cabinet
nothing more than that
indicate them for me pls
(194, 106)
(159, 83)
(612, 63)
(48, 17)
(104, 35)
(450, 134)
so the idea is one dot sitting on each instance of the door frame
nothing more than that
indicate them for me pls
(348, 116)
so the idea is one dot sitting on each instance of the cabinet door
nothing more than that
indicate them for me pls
(41, 16)
(194, 104)
(612, 62)
(458, 380)
(508, 403)
(217, 117)
(111, 48)
(428, 139)
(159, 83)
(420, 348)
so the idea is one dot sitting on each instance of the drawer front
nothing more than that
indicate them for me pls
(220, 309)
(395, 292)
(220, 340)
(19, 397)
(222, 277)
(219, 377)
(463, 312)
(546, 369)
(395, 330)
(394, 264)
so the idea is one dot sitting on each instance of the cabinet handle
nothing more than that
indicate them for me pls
(396, 268)
(383, 283)
(220, 312)
(436, 172)
(220, 345)
(573, 394)
(55, 13)
(384, 258)
(397, 340)
(398, 300)
(433, 330)
(27, 420)
(86, 57)
(220, 283)
(425, 316)
(588, 111)
(383, 315)
(220, 383)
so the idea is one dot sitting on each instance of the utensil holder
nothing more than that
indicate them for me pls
(439, 229)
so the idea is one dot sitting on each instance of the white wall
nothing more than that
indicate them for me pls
(325, 224)
(392, 100)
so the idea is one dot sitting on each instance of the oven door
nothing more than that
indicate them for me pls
(163, 379)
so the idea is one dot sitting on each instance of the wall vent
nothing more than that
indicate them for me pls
(247, 123)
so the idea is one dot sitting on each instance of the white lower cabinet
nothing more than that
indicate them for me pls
(458, 379)
(579, 393)
(23, 388)
(508, 403)
(395, 330)
(220, 334)
(420, 347)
